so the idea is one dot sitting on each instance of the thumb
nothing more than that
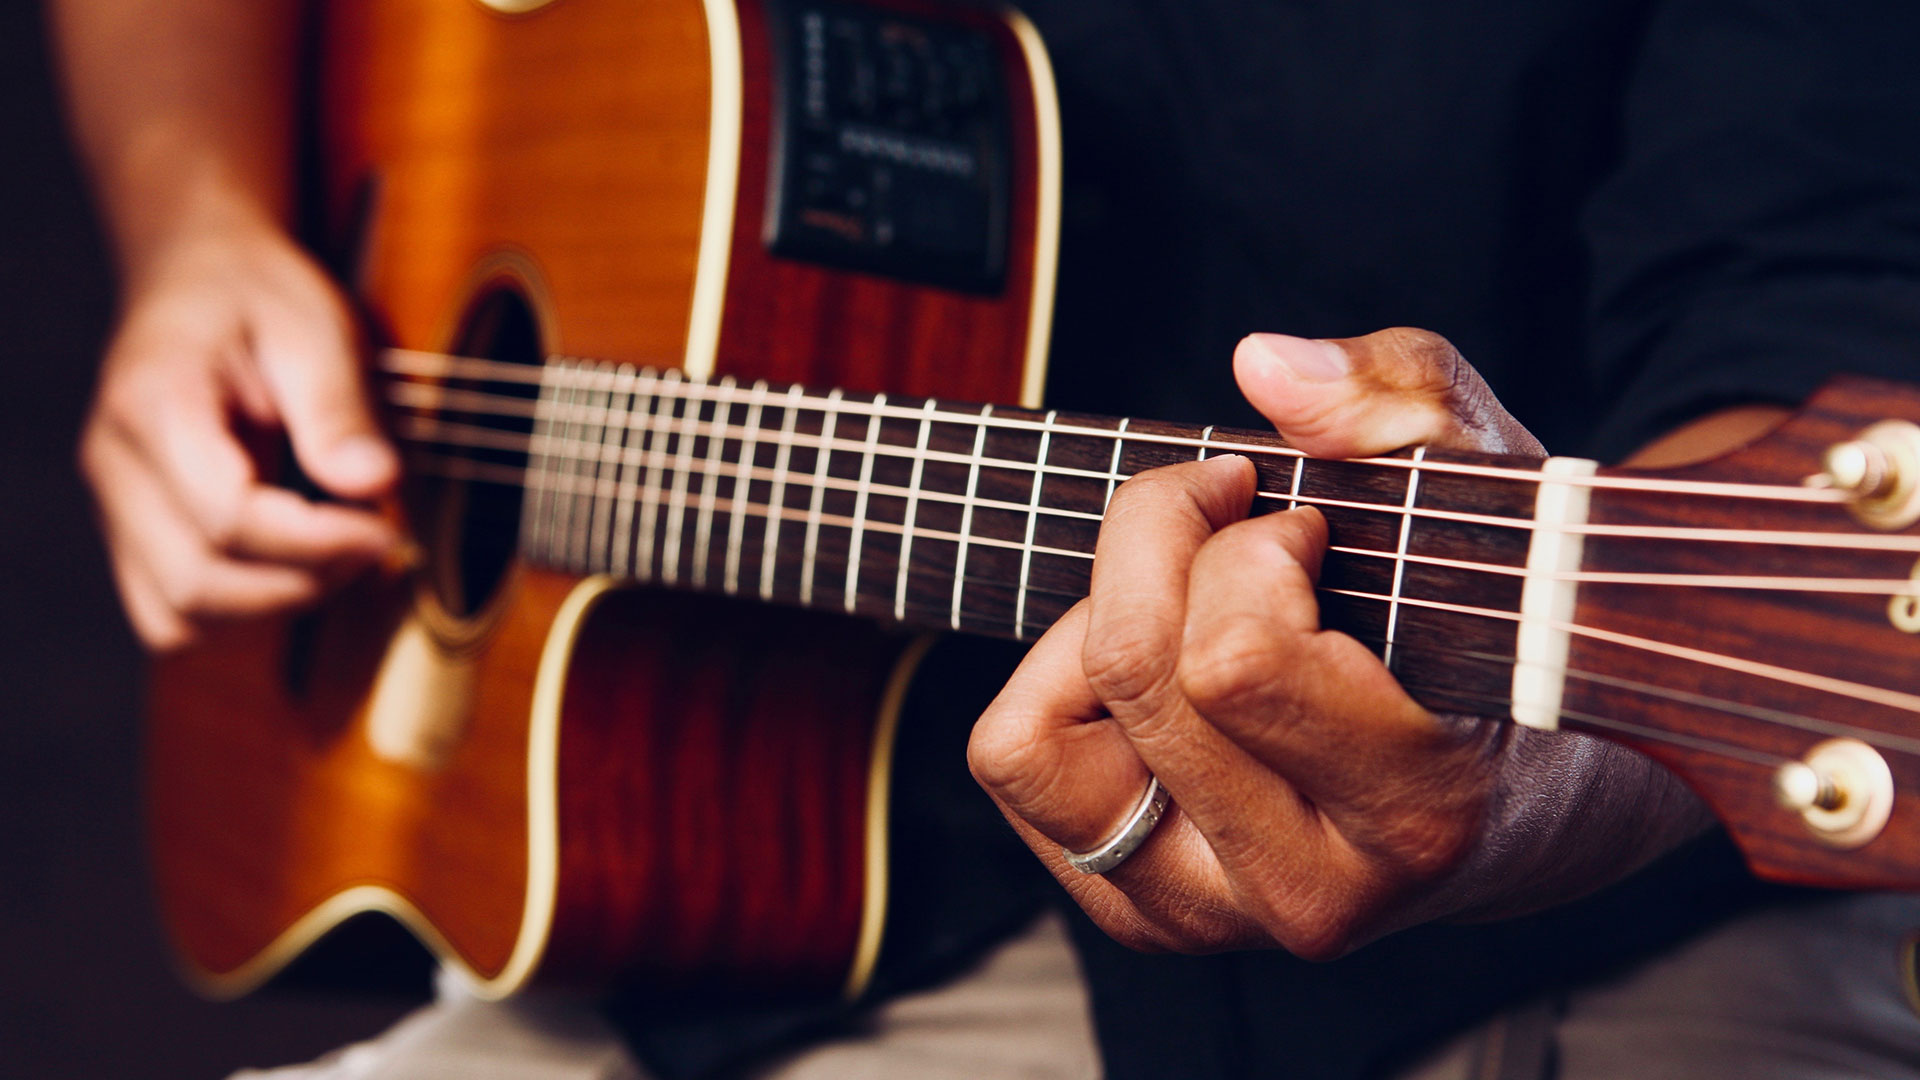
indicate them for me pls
(1354, 397)
(319, 388)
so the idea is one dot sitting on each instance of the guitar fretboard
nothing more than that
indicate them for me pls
(937, 515)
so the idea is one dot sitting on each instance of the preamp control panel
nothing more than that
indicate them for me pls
(890, 146)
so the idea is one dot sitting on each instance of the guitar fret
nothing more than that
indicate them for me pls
(1293, 489)
(606, 485)
(1400, 556)
(966, 511)
(829, 420)
(534, 519)
(573, 433)
(659, 428)
(557, 490)
(749, 448)
(1113, 470)
(862, 494)
(677, 498)
(593, 426)
(913, 508)
(776, 500)
(710, 481)
(1206, 435)
(626, 473)
(1033, 518)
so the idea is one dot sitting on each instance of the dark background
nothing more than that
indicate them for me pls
(86, 987)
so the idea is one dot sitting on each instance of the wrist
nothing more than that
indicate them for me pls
(1571, 815)
(190, 202)
(214, 235)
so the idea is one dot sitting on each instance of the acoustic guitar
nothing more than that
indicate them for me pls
(687, 303)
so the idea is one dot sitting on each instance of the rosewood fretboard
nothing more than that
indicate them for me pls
(940, 515)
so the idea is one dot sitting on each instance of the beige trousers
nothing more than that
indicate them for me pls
(1791, 994)
(1021, 1013)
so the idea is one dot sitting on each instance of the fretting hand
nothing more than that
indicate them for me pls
(1315, 805)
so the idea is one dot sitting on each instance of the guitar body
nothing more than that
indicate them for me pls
(546, 775)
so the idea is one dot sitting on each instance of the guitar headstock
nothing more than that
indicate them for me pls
(1753, 623)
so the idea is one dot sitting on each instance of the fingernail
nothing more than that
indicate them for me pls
(364, 458)
(1306, 359)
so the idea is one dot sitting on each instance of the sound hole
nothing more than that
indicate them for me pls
(473, 504)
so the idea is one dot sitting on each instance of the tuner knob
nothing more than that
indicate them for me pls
(1842, 790)
(1858, 468)
(1798, 787)
(1880, 470)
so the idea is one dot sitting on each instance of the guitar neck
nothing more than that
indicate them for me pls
(937, 515)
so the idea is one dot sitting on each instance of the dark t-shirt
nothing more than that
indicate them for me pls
(1624, 212)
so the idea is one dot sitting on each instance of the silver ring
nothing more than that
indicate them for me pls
(1115, 849)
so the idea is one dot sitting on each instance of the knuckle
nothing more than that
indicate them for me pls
(1004, 760)
(1131, 932)
(1429, 846)
(1225, 668)
(223, 520)
(186, 589)
(1444, 374)
(995, 752)
(1319, 932)
(1195, 930)
(1123, 663)
(1204, 932)
(1432, 354)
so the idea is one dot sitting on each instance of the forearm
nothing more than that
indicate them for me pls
(182, 109)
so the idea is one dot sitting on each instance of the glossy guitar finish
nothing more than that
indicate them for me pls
(574, 780)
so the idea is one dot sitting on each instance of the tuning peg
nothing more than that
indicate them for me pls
(1798, 787)
(1880, 469)
(1842, 789)
(1857, 467)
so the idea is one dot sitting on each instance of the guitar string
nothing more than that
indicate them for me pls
(507, 475)
(1763, 714)
(453, 433)
(1754, 712)
(1715, 747)
(1876, 695)
(1718, 747)
(432, 365)
(446, 434)
(689, 431)
(1777, 717)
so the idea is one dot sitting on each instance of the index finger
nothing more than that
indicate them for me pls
(1135, 635)
(1154, 526)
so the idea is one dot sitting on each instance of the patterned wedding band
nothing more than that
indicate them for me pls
(1115, 849)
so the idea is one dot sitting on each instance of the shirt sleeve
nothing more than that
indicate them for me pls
(1762, 229)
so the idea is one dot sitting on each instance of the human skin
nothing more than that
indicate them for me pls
(229, 334)
(1316, 806)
